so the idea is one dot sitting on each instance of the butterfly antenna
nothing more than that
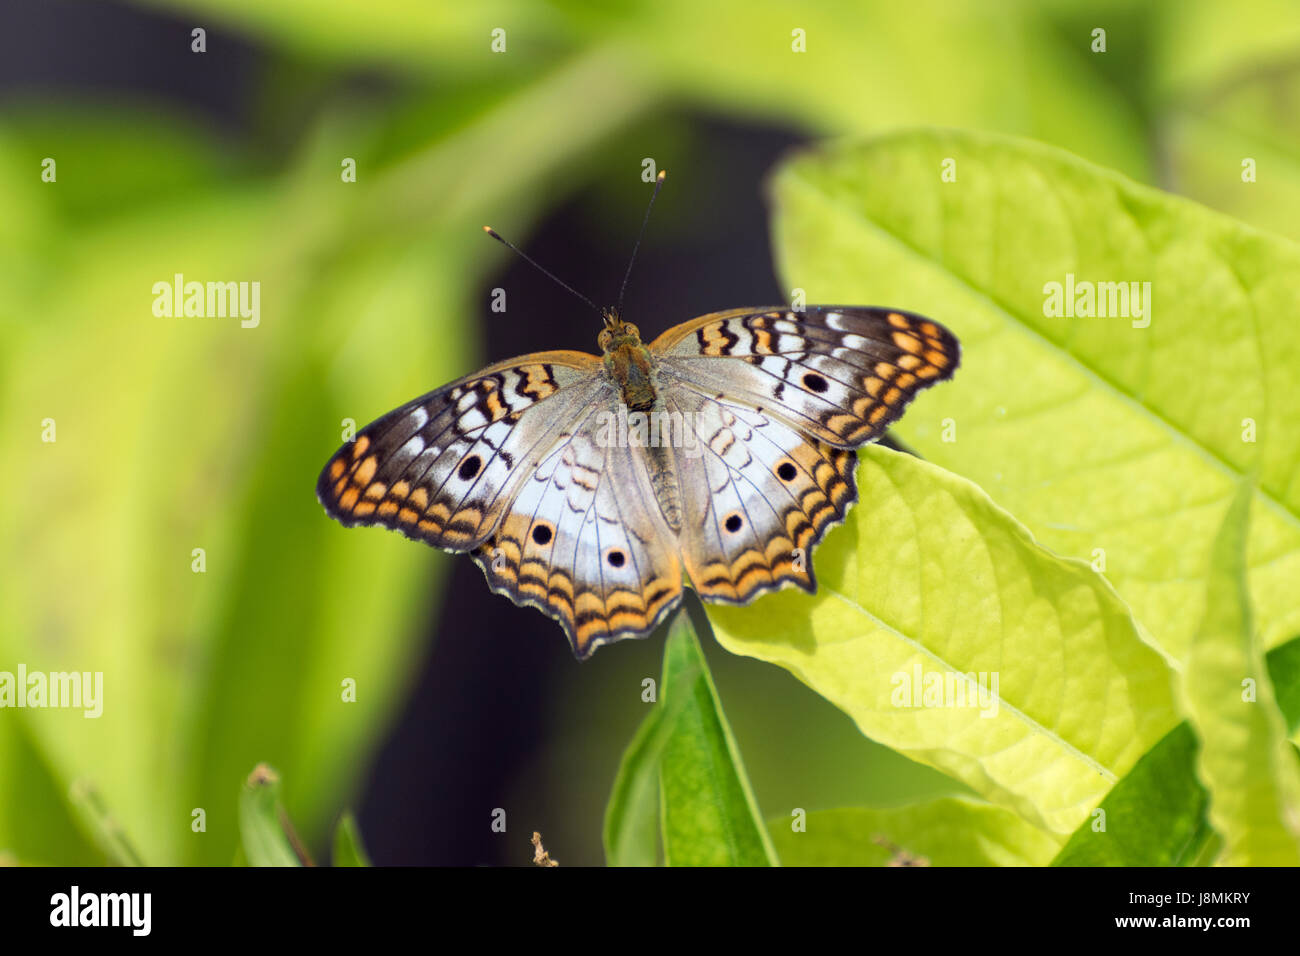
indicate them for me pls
(546, 272)
(659, 182)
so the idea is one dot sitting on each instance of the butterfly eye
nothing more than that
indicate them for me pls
(542, 534)
(631, 329)
(602, 340)
(616, 558)
(733, 523)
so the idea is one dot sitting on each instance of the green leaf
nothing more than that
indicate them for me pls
(1155, 816)
(631, 831)
(260, 821)
(1246, 761)
(38, 820)
(709, 814)
(348, 848)
(1109, 441)
(1284, 671)
(949, 831)
(930, 581)
(100, 821)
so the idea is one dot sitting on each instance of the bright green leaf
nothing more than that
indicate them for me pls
(99, 820)
(631, 831)
(1284, 671)
(348, 848)
(709, 815)
(931, 581)
(261, 829)
(1114, 442)
(1246, 761)
(949, 831)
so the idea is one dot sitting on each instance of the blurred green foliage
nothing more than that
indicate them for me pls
(176, 435)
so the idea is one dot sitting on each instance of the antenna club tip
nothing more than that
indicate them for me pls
(663, 174)
(487, 229)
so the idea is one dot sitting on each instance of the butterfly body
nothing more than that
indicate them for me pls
(591, 487)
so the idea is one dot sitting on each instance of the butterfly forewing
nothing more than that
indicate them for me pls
(442, 468)
(843, 374)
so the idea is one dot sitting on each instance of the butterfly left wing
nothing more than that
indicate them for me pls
(443, 467)
(842, 374)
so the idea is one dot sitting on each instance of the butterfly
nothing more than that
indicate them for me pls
(592, 487)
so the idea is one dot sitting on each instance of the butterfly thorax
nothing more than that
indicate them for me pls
(628, 362)
(632, 368)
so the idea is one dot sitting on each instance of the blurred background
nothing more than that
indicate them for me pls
(172, 434)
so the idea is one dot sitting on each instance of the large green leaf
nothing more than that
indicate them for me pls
(1111, 442)
(709, 814)
(1246, 761)
(931, 581)
(950, 831)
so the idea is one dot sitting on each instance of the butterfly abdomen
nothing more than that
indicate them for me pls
(663, 479)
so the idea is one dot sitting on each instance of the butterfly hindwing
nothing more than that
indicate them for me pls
(759, 496)
(441, 468)
(584, 542)
(842, 374)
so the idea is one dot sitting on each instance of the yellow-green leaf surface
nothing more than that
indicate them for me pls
(950, 831)
(1246, 761)
(930, 581)
(1117, 439)
(708, 812)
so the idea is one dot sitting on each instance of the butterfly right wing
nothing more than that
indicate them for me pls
(759, 495)
(843, 374)
(584, 540)
(444, 467)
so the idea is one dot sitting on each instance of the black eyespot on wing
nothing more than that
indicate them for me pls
(733, 523)
(815, 383)
(615, 559)
(786, 471)
(469, 467)
(542, 534)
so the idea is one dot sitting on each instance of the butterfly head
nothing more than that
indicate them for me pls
(617, 334)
